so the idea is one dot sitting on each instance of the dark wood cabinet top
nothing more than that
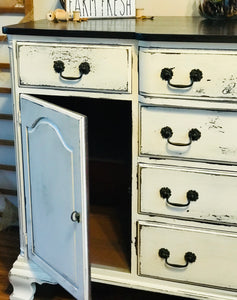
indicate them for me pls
(183, 29)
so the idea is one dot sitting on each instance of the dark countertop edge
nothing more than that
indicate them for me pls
(72, 33)
(210, 36)
(186, 38)
(123, 35)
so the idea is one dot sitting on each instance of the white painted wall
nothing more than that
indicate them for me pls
(151, 7)
(41, 8)
(168, 7)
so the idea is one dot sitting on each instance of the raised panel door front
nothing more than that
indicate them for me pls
(54, 158)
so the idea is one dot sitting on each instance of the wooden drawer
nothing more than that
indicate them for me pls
(217, 130)
(215, 264)
(190, 193)
(218, 69)
(108, 68)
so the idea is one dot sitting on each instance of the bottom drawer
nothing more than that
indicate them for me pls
(212, 261)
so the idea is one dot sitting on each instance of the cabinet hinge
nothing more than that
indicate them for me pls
(18, 118)
(137, 178)
(135, 244)
(26, 239)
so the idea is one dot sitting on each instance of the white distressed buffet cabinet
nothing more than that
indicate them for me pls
(125, 135)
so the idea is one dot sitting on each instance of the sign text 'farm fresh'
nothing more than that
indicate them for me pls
(102, 8)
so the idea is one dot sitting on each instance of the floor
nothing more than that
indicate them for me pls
(9, 250)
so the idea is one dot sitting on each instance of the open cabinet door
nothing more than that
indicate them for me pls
(55, 159)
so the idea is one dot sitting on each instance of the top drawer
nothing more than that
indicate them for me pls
(218, 69)
(98, 68)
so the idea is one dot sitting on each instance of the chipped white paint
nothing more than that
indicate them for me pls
(110, 66)
(217, 131)
(179, 229)
(215, 251)
(218, 69)
(216, 193)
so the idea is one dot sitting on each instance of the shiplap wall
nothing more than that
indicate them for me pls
(7, 153)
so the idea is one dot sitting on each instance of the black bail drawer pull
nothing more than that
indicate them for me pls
(167, 74)
(189, 257)
(75, 217)
(84, 69)
(191, 195)
(194, 134)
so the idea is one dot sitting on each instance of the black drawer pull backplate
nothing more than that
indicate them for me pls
(84, 69)
(167, 74)
(194, 134)
(189, 257)
(191, 195)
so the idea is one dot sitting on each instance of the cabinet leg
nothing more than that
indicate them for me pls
(23, 288)
(23, 276)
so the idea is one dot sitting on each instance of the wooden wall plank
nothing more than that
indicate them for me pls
(11, 3)
(8, 192)
(12, 6)
(28, 7)
(5, 90)
(8, 117)
(12, 10)
(5, 65)
(3, 38)
(6, 143)
(7, 168)
(17, 6)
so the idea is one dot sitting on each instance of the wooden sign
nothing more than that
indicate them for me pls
(102, 8)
